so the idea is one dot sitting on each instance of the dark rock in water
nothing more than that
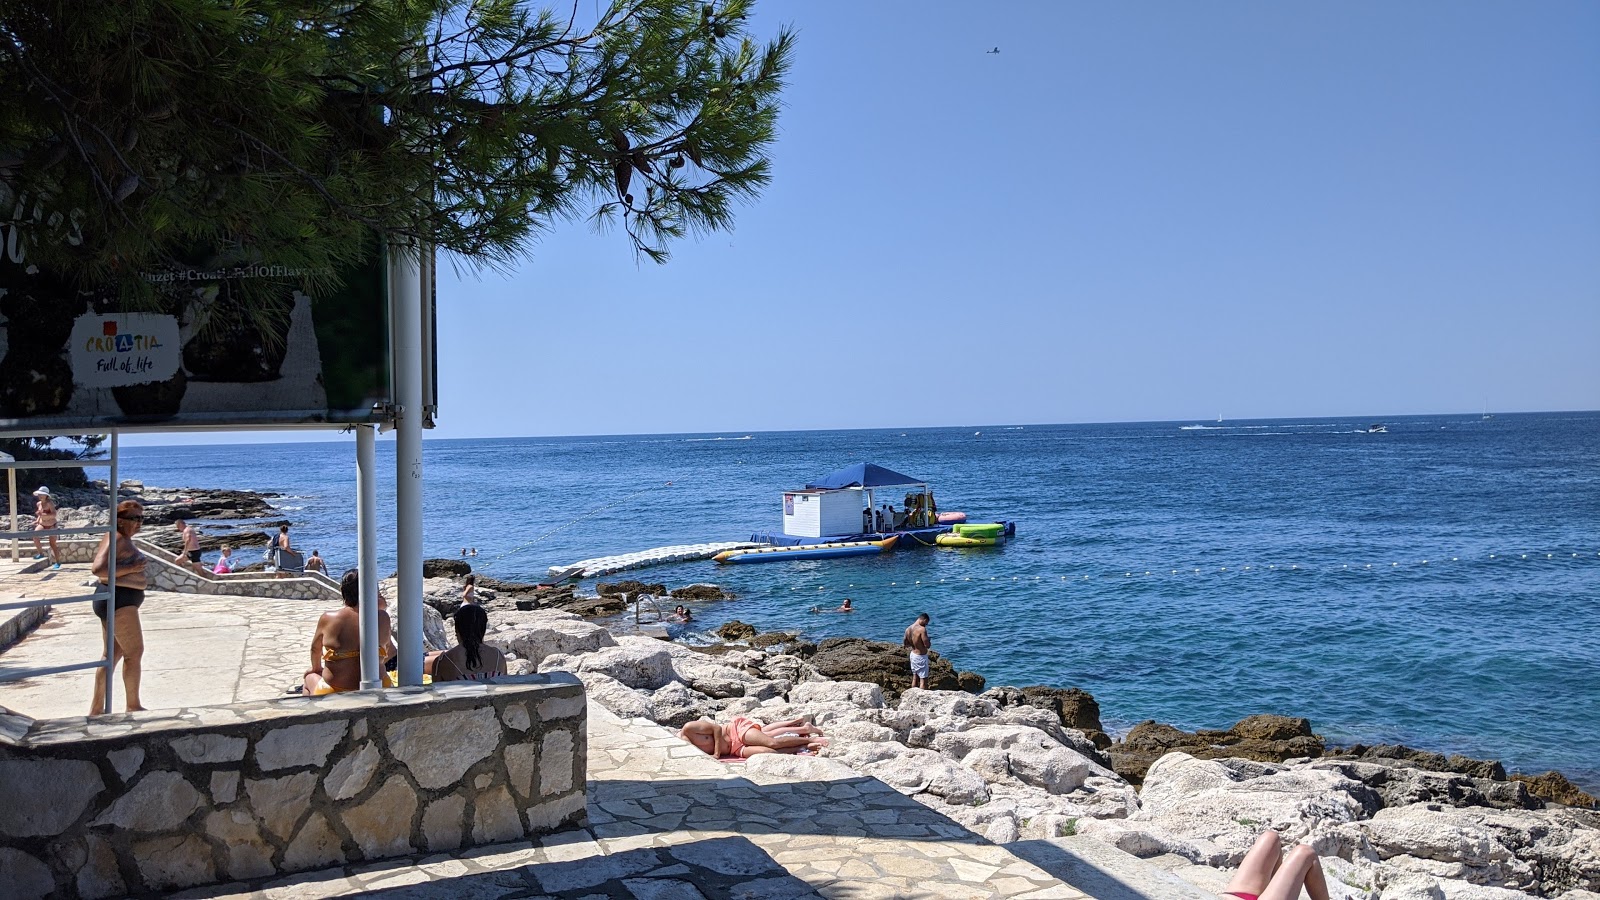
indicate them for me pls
(882, 664)
(1554, 787)
(736, 630)
(971, 682)
(701, 592)
(628, 588)
(1149, 741)
(445, 568)
(595, 607)
(1399, 754)
(1397, 784)
(517, 587)
(527, 605)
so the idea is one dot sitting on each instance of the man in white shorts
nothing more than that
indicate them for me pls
(917, 642)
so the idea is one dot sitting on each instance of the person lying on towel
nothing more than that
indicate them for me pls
(745, 737)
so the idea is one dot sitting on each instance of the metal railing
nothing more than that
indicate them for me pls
(110, 591)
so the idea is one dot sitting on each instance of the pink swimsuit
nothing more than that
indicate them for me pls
(735, 732)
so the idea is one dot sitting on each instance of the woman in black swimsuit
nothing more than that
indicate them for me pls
(125, 606)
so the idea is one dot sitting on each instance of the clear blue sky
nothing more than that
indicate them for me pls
(1135, 211)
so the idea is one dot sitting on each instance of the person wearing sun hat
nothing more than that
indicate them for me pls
(44, 518)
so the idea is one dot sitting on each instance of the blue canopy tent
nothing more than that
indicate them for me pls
(865, 475)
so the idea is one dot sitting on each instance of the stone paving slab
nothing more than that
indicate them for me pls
(200, 650)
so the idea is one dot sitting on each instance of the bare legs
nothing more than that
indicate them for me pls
(130, 653)
(1271, 876)
(783, 737)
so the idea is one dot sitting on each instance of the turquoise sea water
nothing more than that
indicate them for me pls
(1438, 585)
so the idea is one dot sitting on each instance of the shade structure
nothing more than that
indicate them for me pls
(865, 475)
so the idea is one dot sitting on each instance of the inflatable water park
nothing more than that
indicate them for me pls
(860, 510)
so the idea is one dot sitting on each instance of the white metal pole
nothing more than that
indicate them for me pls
(16, 539)
(367, 556)
(111, 580)
(405, 293)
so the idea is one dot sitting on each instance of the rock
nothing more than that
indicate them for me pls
(700, 591)
(1399, 754)
(945, 704)
(160, 801)
(856, 693)
(1149, 741)
(25, 878)
(880, 663)
(551, 633)
(675, 705)
(433, 633)
(445, 568)
(616, 696)
(769, 768)
(735, 630)
(1554, 787)
(1225, 803)
(440, 748)
(1032, 756)
(298, 745)
(626, 589)
(1412, 887)
(597, 607)
(1399, 785)
(382, 825)
(1540, 851)
(61, 791)
(636, 667)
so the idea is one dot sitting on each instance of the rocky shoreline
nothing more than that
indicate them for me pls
(1027, 763)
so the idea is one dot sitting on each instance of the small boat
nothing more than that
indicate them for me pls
(807, 551)
(969, 540)
(1377, 428)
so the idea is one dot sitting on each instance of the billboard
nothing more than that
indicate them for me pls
(215, 339)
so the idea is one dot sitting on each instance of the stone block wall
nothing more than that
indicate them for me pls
(166, 575)
(156, 802)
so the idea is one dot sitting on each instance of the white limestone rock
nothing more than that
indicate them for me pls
(946, 704)
(855, 693)
(916, 771)
(771, 768)
(637, 667)
(616, 696)
(1530, 850)
(1412, 887)
(675, 705)
(1225, 803)
(1034, 757)
(538, 636)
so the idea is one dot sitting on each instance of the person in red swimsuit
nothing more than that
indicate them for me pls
(1266, 874)
(745, 737)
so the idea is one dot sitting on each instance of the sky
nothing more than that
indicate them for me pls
(1133, 212)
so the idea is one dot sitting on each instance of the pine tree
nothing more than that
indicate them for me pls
(296, 129)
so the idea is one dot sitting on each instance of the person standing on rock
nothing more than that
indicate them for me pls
(189, 556)
(917, 642)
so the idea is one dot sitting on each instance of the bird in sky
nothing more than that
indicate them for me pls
(993, 50)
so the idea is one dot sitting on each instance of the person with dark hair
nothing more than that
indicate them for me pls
(1266, 874)
(469, 659)
(469, 591)
(315, 563)
(916, 641)
(125, 606)
(336, 646)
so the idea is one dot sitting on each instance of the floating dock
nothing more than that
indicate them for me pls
(606, 565)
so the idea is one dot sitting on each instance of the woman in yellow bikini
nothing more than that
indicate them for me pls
(336, 648)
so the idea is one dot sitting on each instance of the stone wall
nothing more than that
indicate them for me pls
(166, 575)
(155, 802)
(16, 624)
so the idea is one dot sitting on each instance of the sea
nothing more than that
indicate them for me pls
(1436, 584)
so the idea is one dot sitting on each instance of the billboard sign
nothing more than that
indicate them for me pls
(214, 340)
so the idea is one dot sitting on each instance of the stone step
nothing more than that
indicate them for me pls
(1102, 871)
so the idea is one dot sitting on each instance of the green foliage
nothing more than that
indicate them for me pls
(296, 128)
(1067, 828)
(87, 446)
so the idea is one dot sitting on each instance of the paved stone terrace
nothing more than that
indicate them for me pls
(200, 650)
(666, 822)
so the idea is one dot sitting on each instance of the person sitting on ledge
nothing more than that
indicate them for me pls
(469, 659)
(1266, 874)
(336, 647)
(744, 737)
